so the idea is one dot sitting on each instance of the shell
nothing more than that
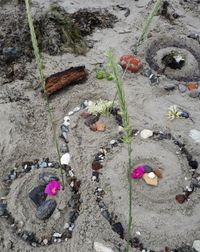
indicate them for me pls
(146, 133)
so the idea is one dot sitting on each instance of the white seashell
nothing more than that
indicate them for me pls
(99, 247)
(195, 135)
(70, 113)
(65, 159)
(151, 175)
(146, 133)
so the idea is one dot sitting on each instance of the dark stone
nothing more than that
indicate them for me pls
(73, 215)
(46, 209)
(64, 128)
(184, 249)
(181, 198)
(90, 120)
(28, 236)
(119, 120)
(3, 209)
(96, 165)
(194, 183)
(10, 54)
(67, 234)
(37, 195)
(170, 87)
(105, 213)
(147, 168)
(185, 114)
(46, 177)
(118, 228)
(26, 166)
(194, 164)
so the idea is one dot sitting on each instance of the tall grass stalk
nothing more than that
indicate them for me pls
(153, 12)
(127, 133)
(42, 82)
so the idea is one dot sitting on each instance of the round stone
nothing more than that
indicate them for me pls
(194, 93)
(65, 159)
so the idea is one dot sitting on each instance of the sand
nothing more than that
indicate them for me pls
(26, 132)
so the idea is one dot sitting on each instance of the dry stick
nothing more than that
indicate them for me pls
(42, 82)
(127, 133)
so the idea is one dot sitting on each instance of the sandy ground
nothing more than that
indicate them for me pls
(25, 133)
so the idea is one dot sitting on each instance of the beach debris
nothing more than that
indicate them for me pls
(96, 165)
(195, 135)
(138, 172)
(37, 195)
(147, 72)
(157, 172)
(173, 60)
(147, 168)
(101, 107)
(181, 198)
(52, 188)
(65, 78)
(173, 112)
(99, 247)
(46, 209)
(191, 86)
(126, 9)
(150, 179)
(196, 245)
(101, 127)
(194, 35)
(169, 87)
(194, 93)
(182, 88)
(146, 133)
(3, 209)
(130, 63)
(118, 228)
(65, 159)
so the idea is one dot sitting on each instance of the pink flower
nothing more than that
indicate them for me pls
(137, 172)
(52, 188)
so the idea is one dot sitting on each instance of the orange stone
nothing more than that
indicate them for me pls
(157, 172)
(131, 63)
(100, 126)
(191, 86)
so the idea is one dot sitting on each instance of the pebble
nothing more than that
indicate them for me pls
(64, 148)
(70, 113)
(65, 159)
(99, 247)
(151, 175)
(150, 181)
(91, 119)
(147, 168)
(169, 87)
(46, 209)
(10, 53)
(193, 164)
(113, 143)
(196, 245)
(146, 133)
(76, 109)
(182, 88)
(67, 234)
(46, 177)
(105, 213)
(118, 228)
(43, 164)
(184, 114)
(37, 195)
(96, 165)
(157, 172)
(180, 198)
(101, 127)
(194, 93)
(45, 241)
(3, 209)
(57, 235)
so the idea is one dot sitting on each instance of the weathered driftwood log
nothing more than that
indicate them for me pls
(59, 80)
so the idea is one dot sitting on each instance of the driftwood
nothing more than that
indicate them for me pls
(71, 76)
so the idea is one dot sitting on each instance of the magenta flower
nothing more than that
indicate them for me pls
(52, 188)
(137, 172)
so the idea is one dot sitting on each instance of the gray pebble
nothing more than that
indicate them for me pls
(46, 177)
(64, 148)
(3, 209)
(46, 209)
(194, 93)
(169, 87)
(182, 88)
(147, 168)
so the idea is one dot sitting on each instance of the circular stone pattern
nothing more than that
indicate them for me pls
(23, 210)
(183, 46)
(155, 210)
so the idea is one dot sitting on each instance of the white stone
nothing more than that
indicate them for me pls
(99, 247)
(45, 241)
(76, 109)
(66, 123)
(66, 225)
(196, 245)
(146, 133)
(57, 235)
(71, 173)
(138, 233)
(66, 119)
(70, 113)
(65, 159)
(151, 175)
